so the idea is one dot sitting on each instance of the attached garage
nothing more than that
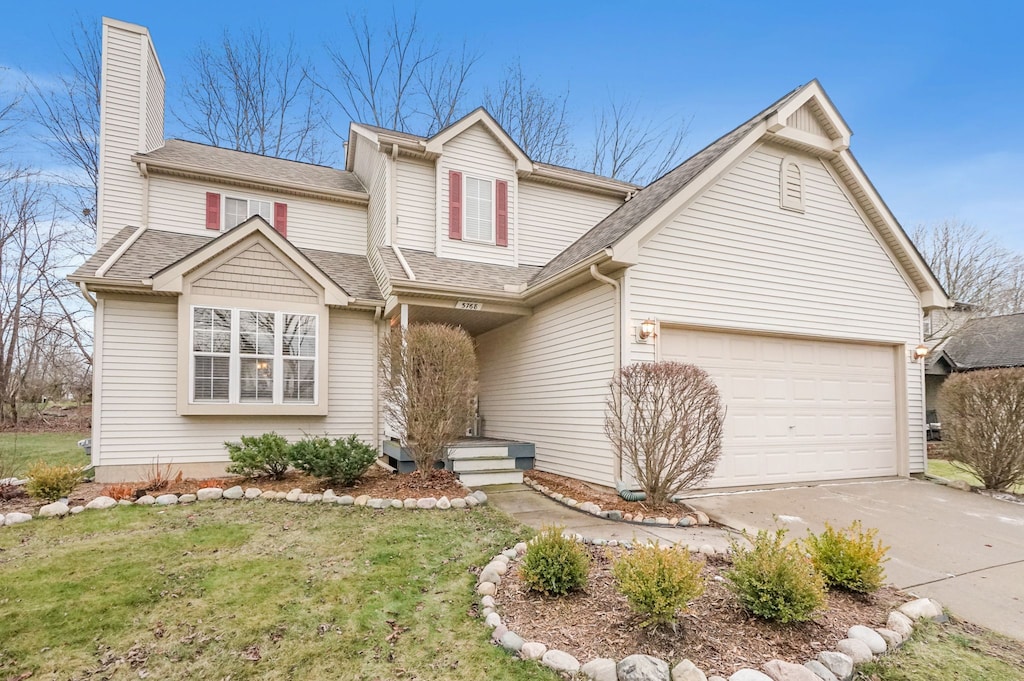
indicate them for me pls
(799, 410)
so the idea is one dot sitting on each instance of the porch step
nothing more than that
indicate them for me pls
(485, 477)
(483, 463)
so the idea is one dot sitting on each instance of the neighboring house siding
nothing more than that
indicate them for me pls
(256, 274)
(544, 379)
(138, 416)
(415, 205)
(733, 259)
(551, 218)
(177, 205)
(476, 153)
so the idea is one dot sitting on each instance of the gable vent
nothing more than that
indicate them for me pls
(791, 184)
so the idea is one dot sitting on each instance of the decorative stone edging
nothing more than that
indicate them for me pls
(60, 509)
(862, 644)
(693, 519)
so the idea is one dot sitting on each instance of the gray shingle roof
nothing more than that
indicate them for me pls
(988, 342)
(156, 249)
(220, 161)
(428, 268)
(649, 199)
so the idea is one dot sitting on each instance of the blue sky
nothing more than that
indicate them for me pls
(932, 90)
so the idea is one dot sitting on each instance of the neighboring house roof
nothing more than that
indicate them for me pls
(630, 214)
(452, 273)
(155, 250)
(988, 343)
(181, 155)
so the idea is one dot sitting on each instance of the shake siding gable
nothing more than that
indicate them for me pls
(177, 205)
(140, 341)
(258, 275)
(544, 379)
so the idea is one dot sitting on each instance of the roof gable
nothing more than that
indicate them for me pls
(479, 116)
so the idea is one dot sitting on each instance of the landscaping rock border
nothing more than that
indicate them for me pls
(59, 509)
(862, 644)
(690, 519)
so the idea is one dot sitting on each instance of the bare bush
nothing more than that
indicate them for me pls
(666, 419)
(428, 381)
(983, 424)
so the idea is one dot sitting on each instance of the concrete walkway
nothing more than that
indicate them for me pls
(965, 550)
(532, 508)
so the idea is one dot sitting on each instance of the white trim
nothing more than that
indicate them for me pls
(116, 255)
(401, 261)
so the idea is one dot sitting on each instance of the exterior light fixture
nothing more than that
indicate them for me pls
(646, 330)
(920, 352)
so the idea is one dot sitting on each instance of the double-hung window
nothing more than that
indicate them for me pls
(237, 211)
(244, 356)
(479, 225)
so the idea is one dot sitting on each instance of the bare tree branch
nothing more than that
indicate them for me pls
(538, 121)
(632, 148)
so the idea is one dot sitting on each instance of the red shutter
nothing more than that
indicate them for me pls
(454, 205)
(501, 224)
(281, 218)
(212, 210)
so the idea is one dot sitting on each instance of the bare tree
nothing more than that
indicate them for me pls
(397, 79)
(251, 94)
(972, 266)
(537, 120)
(428, 381)
(69, 114)
(633, 148)
(666, 419)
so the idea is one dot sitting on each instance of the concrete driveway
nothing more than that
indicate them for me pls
(965, 550)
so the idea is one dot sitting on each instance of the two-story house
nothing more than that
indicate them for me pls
(237, 294)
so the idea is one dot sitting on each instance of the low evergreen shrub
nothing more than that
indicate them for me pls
(774, 580)
(658, 583)
(341, 461)
(554, 564)
(849, 558)
(266, 455)
(51, 483)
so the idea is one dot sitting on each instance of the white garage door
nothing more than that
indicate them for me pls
(798, 410)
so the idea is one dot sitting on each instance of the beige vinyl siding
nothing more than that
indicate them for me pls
(733, 259)
(256, 274)
(476, 153)
(805, 119)
(544, 379)
(372, 167)
(177, 205)
(120, 186)
(154, 137)
(551, 218)
(138, 416)
(415, 205)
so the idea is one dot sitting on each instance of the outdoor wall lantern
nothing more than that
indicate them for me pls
(646, 330)
(920, 352)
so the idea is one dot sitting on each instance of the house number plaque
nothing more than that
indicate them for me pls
(468, 305)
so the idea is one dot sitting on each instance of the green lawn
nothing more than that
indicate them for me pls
(951, 651)
(253, 591)
(21, 450)
(940, 468)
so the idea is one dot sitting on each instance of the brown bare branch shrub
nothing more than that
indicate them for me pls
(666, 419)
(983, 424)
(428, 381)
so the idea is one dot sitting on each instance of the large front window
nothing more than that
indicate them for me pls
(253, 356)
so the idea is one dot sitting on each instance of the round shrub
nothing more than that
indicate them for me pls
(848, 559)
(658, 583)
(263, 455)
(554, 564)
(51, 483)
(341, 461)
(775, 581)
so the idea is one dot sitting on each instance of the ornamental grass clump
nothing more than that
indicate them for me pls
(341, 461)
(554, 564)
(658, 583)
(51, 483)
(774, 580)
(848, 559)
(266, 455)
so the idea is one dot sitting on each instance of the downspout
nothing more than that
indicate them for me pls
(623, 491)
(378, 436)
(85, 293)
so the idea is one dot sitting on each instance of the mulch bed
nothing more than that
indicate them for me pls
(607, 499)
(715, 632)
(376, 482)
